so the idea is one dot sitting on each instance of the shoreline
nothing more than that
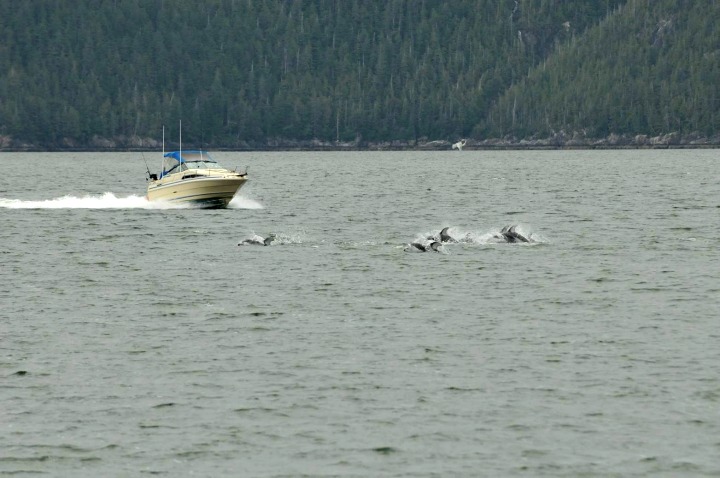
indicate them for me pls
(559, 142)
(366, 149)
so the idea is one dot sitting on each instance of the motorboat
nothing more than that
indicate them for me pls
(195, 178)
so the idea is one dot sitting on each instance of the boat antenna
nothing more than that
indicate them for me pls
(146, 164)
(143, 157)
(180, 162)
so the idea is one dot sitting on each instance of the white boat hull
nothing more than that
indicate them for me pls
(204, 191)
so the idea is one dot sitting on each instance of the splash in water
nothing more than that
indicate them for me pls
(514, 233)
(240, 202)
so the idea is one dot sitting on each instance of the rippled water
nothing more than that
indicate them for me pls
(142, 340)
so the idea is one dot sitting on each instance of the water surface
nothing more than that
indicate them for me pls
(138, 339)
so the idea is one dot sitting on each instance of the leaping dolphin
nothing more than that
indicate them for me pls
(510, 234)
(258, 241)
(443, 236)
(434, 246)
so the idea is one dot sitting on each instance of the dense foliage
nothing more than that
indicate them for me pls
(256, 71)
(652, 68)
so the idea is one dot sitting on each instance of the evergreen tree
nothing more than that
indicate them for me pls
(248, 71)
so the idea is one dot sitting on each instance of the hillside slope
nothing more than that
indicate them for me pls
(651, 68)
(93, 73)
(248, 73)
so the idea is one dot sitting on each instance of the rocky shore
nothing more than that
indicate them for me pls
(559, 140)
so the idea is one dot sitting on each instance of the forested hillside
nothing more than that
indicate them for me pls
(652, 68)
(239, 73)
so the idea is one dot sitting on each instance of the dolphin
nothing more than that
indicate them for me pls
(434, 246)
(443, 236)
(258, 241)
(510, 234)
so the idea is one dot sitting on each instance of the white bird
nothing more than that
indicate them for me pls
(459, 145)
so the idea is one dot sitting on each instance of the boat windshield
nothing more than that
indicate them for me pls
(200, 165)
(174, 163)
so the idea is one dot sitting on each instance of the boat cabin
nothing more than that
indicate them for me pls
(177, 161)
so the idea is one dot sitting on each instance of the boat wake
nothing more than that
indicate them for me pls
(103, 201)
(111, 201)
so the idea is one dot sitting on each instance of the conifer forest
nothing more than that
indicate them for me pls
(252, 73)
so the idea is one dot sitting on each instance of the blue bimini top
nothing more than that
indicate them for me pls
(192, 159)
